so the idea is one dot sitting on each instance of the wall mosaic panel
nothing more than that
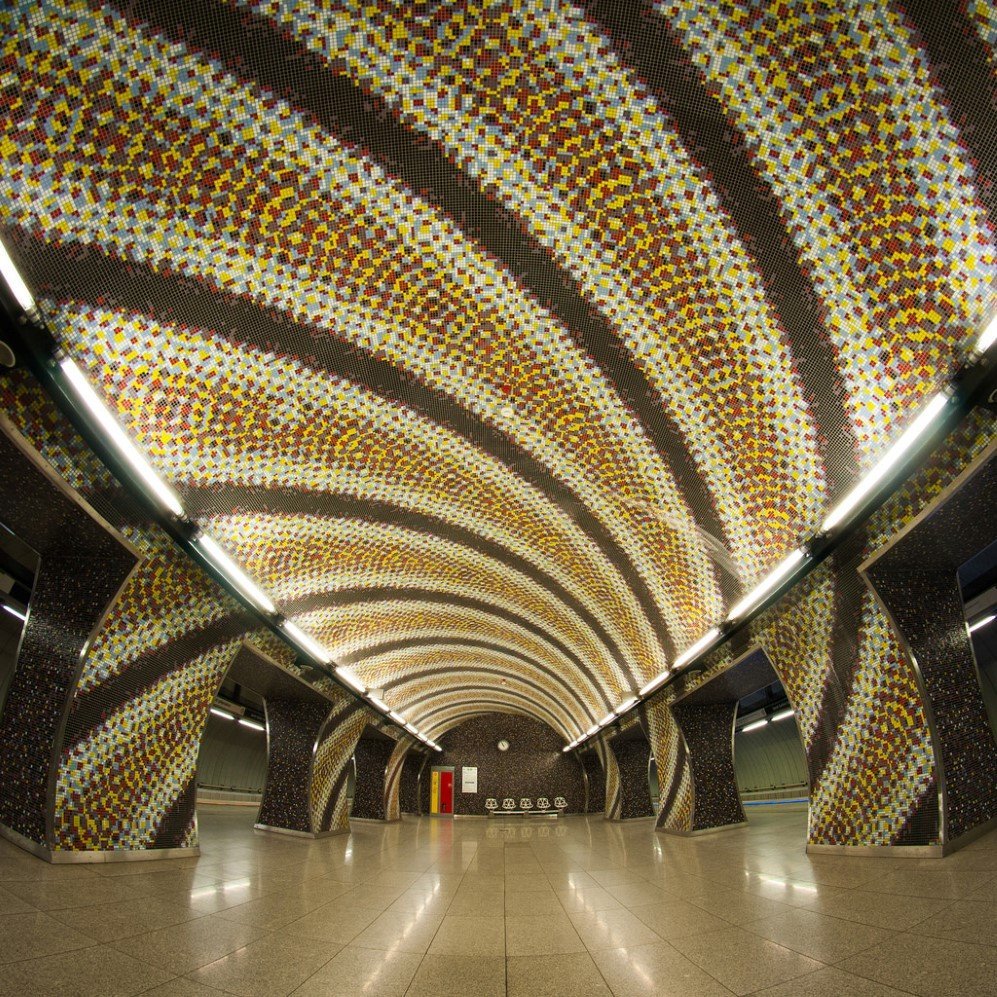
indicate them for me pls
(372, 758)
(408, 791)
(632, 754)
(393, 779)
(595, 781)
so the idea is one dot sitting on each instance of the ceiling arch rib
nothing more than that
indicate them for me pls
(562, 410)
(301, 555)
(382, 666)
(354, 626)
(389, 670)
(421, 702)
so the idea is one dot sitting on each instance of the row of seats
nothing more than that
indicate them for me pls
(526, 804)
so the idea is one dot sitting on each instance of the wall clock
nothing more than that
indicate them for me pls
(503, 745)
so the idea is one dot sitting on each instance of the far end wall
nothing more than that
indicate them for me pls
(533, 766)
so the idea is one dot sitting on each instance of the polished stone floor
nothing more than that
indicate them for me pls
(435, 907)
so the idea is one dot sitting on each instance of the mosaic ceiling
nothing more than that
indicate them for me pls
(506, 343)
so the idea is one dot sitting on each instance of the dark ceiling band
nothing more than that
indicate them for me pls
(95, 706)
(530, 709)
(139, 289)
(442, 641)
(205, 501)
(961, 66)
(255, 50)
(541, 694)
(644, 41)
(386, 593)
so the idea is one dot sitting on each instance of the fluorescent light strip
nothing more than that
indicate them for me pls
(567, 747)
(973, 627)
(694, 650)
(655, 682)
(379, 703)
(15, 281)
(162, 492)
(592, 730)
(221, 713)
(987, 337)
(886, 463)
(397, 717)
(753, 726)
(251, 723)
(15, 612)
(782, 715)
(351, 680)
(227, 566)
(309, 643)
(626, 705)
(769, 583)
(607, 719)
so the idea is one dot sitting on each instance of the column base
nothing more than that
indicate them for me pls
(291, 832)
(61, 856)
(702, 830)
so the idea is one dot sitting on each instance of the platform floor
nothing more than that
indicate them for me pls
(434, 907)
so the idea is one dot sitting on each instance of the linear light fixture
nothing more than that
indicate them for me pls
(753, 726)
(15, 281)
(251, 723)
(768, 584)
(695, 649)
(988, 337)
(222, 713)
(351, 680)
(309, 643)
(973, 627)
(412, 729)
(15, 612)
(163, 494)
(782, 715)
(397, 717)
(224, 563)
(592, 730)
(626, 705)
(379, 703)
(567, 747)
(887, 462)
(607, 719)
(655, 682)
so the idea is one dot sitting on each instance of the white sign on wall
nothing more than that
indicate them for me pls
(468, 779)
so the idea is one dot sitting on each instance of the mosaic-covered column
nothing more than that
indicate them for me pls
(595, 782)
(708, 732)
(393, 779)
(83, 564)
(333, 756)
(612, 799)
(292, 731)
(408, 789)
(632, 754)
(372, 757)
(674, 773)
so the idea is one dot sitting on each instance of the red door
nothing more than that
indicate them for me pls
(446, 792)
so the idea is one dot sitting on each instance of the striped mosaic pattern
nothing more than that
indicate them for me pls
(579, 341)
(333, 754)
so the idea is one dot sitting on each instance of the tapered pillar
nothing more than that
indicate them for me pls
(632, 754)
(372, 756)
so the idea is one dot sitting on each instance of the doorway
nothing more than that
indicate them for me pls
(441, 791)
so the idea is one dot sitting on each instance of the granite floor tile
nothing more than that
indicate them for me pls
(964, 920)
(400, 931)
(333, 923)
(612, 929)
(827, 939)
(555, 976)
(655, 970)
(34, 934)
(830, 982)
(678, 918)
(541, 935)
(363, 971)
(459, 976)
(469, 936)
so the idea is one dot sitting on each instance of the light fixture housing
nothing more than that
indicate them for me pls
(592, 730)
(379, 703)
(782, 715)
(973, 627)
(894, 454)
(694, 650)
(159, 491)
(607, 719)
(657, 681)
(753, 726)
(223, 713)
(15, 281)
(627, 704)
(224, 563)
(768, 584)
(348, 678)
(307, 641)
(251, 724)
(14, 611)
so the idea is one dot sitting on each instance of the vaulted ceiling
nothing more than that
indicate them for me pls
(505, 343)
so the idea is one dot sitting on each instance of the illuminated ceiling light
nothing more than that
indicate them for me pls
(626, 705)
(15, 612)
(701, 645)
(251, 723)
(592, 730)
(161, 491)
(309, 643)
(222, 713)
(753, 726)
(14, 280)
(238, 578)
(886, 463)
(379, 703)
(607, 719)
(351, 680)
(567, 747)
(973, 627)
(397, 717)
(655, 682)
(782, 715)
(768, 583)
(987, 337)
